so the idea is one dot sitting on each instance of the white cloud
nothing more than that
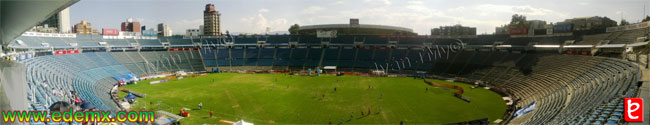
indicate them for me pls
(263, 10)
(180, 26)
(340, 2)
(386, 2)
(312, 10)
(259, 23)
(620, 12)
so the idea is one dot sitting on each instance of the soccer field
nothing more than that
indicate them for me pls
(282, 99)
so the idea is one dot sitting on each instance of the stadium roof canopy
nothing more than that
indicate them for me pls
(358, 29)
(18, 16)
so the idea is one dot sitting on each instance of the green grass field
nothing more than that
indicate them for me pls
(260, 99)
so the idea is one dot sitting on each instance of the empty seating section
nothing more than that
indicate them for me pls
(251, 56)
(278, 39)
(592, 39)
(115, 42)
(83, 73)
(363, 59)
(266, 56)
(178, 40)
(86, 40)
(298, 56)
(563, 87)
(223, 56)
(237, 56)
(313, 57)
(628, 36)
(345, 57)
(209, 57)
(181, 59)
(148, 42)
(246, 39)
(331, 57)
(282, 57)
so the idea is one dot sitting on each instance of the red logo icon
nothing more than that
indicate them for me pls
(634, 109)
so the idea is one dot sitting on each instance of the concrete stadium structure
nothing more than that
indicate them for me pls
(567, 88)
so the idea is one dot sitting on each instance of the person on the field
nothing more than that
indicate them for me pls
(342, 119)
(330, 122)
(200, 105)
(351, 115)
(335, 89)
(362, 113)
(379, 109)
(401, 122)
(381, 95)
(427, 89)
(368, 110)
(211, 113)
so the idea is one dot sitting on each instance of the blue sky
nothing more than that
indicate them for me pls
(253, 16)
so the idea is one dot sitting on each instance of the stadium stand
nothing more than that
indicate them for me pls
(567, 89)
(628, 36)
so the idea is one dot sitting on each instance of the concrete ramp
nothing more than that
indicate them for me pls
(13, 86)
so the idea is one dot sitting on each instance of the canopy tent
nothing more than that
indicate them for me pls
(242, 122)
(130, 96)
(125, 77)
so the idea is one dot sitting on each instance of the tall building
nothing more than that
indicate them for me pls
(60, 21)
(454, 31)
(84, 28)
(164, 30)
(130, 26)
(143, 28)
(211, 21)
(201, 30)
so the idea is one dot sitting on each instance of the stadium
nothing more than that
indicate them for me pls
(579, 78)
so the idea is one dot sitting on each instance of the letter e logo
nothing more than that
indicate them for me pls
(634, 109)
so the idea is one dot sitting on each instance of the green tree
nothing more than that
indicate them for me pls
(624, 22)
(647, 18)
(293, 30)
(518, 21)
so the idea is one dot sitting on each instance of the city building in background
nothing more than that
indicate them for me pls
(503, 29)
(211, 21)
(44, 29)
(143, 28)
(590, 23)
(59, 22)
(164, 30)
(192, 32)
(84, 28)
(130, 26)
(453, 31)
(201, 30)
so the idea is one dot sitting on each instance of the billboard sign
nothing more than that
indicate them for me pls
(112, 32)
(326, 34)
(518, 31)
(149, 33)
